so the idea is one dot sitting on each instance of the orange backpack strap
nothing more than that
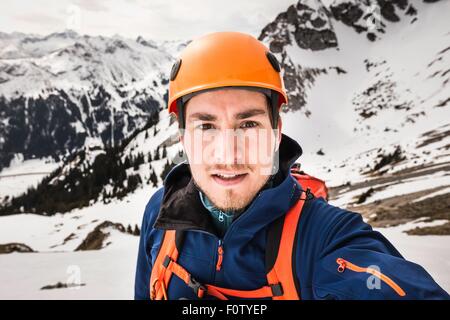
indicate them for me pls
(280, 254)
(282, 241)
(161, 275)
(280, 250)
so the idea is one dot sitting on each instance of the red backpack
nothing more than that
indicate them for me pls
(280, 250)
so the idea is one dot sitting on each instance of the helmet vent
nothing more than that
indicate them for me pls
(175, 68)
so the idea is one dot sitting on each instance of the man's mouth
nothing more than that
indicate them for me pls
(229, 179)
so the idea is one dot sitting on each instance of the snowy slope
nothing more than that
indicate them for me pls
(431, 252)
(48, 234)
(23, 174)
(106, 274)
(401, 78)
(109, 273)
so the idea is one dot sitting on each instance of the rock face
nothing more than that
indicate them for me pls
(306, 25)
(371, 17)
(309, 25)
(61, 285)
(95, 240)
(14, 247)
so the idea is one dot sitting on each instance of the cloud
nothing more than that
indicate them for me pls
(153, 19)
(93, 5)
(39, 18)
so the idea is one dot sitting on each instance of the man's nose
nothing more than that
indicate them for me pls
(228, 149)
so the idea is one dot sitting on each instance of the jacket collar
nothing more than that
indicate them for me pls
(182, 209)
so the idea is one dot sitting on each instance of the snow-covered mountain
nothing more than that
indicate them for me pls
(64, 91)
(367, 82)
(368, 107)
(369, 87)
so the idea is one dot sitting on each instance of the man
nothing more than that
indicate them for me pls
(208, 232)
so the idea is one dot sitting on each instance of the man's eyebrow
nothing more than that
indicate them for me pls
(202, 116)
(249, 113)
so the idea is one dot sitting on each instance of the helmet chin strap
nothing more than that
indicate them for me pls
(274, 108)
(180, 114)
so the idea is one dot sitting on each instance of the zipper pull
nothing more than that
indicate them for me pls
(341, 263)
(221, 216)
(219, 256)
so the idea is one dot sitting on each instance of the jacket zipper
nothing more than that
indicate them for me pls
(344, 264)
(219, 255)
(220, 250)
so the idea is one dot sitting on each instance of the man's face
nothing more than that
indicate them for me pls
(230, 145)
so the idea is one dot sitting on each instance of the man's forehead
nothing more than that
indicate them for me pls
(234, 101)
(227, 94)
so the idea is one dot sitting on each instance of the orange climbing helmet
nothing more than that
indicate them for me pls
(225, 59)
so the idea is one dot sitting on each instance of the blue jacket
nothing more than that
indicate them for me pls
(325, 233)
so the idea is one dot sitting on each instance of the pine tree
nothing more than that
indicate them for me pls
(127, 162)
(137, 231)
(167, 167)
(138, 161)
(104, 196)
(157, 155)
(154, 178)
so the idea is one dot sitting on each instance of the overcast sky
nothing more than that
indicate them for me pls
(153, 19)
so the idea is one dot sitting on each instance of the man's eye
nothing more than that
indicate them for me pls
(249, 124)
(205, 126)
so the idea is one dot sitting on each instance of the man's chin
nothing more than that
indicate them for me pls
(230, 202)
(229, 199)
